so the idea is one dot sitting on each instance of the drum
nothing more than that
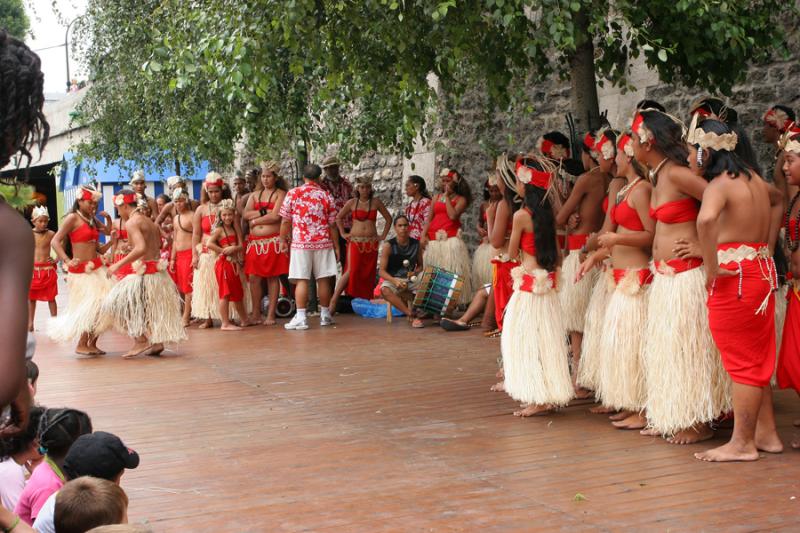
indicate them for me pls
(439, 291)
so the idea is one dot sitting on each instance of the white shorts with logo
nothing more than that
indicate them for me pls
(305, 263)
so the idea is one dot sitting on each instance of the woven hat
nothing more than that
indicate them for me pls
(331, 161)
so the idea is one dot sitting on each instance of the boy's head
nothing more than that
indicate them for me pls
(101, 455)
(33, 374)
(40, 218)
(312, 172)
(88, 502)
(26, 444)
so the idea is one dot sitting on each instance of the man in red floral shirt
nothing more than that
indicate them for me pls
(342, 190)
(309, 214)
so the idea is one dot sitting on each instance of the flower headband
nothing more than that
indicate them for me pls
(213, 179)
(778, 119)
(710, 140)
(179, 193)
(588, 141)
(643, 132)
(122, 199)
(786, 143)
(532, 176)
(452, 174)
(89, 194)
(39, 212)
(137, 176)
(624, 144)
(225, 205)
(551, 149)
(604, 146)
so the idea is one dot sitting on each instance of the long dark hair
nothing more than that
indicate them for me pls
(421, 185)
(667, 136)
(729, 115)
(59, 428)
(538, 204)
(462, 188)
(22, 98)
(14, 445)
(720, 161)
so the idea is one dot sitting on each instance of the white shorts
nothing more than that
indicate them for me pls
(305, 263)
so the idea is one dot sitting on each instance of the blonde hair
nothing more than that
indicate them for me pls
(87, 502)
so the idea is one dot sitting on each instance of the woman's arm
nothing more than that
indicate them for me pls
(57, 244)
(211, 243)
(168, 210)
(454, 211)
(387, 217)
(708, 229)
(640, 201)
(574, 200)
(197, 233)
(273, 216)
(688, 182)
(348, 206)
(516, 232)
(499, 224)
(428, 219)
(777, 206)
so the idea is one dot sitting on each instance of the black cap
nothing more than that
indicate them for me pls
(99, 454)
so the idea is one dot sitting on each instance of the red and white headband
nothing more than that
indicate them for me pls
(532, 176)
(552, 150)
(122, 199)
(89, 194)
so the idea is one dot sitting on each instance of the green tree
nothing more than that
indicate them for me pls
(193, 78)
(13, 18)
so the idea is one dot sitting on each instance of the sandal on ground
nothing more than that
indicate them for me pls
(452, 325)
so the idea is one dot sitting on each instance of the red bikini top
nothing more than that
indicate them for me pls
(362, 215)
(84, 233)
(624, 215)
(527, 242)
(228, 240)
(676, 212)
(206, 223)
(263, 205)
(122, 233)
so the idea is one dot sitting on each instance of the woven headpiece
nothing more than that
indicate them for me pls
(786, 143)
(179, 193)
(213, 179)
(39, 212)
(137, 176)
(778, 119)
(226, 205)
(87, 192)
(710, 140)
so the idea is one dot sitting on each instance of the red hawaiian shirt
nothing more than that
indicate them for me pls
(311, 210)
(417, 213)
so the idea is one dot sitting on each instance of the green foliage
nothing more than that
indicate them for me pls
(174, 79)
(13, 18)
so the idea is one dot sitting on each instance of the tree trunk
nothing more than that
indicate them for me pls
(177, 167)
(583, 86)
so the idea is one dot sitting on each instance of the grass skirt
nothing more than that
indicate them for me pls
(205, 298)
(685, 380)
(621, 382)
(452, 255)
(533, 344)
(575, 296)
(591, 353)
(84, 312)
(781, 302)
(146, 305)
(482, 268)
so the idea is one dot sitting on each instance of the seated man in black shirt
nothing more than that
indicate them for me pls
(401, 258)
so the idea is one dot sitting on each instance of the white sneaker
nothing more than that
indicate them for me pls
(326, 320)
(297, 323)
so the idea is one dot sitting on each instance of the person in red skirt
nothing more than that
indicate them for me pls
(264, 259)
(44, 285)
(737, 226)
(225, 242)
(363, 242)
(180, 263)
(789, 358)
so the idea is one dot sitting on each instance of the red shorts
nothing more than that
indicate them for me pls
(183, 275)
(742, 320)
(230, 284)
(44, 285)
(264, 258)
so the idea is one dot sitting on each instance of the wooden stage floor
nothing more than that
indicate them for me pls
(373, 427)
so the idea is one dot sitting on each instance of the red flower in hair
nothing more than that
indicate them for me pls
(532, 176)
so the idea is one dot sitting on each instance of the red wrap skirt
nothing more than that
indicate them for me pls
(741, 313)
(44, 284)
(789, 360)
(183, 276)
(362, 264)
(228, 280)
(502, 288)
(264, 258)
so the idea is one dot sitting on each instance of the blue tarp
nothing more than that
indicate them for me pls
(117, 173)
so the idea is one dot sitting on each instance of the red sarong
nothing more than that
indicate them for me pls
(576, 242)
(502, 288)
(789, 360)
(184, 273)
(362, 263)
(264, 258)
(228, 280)
(743, 327)
(44, 284)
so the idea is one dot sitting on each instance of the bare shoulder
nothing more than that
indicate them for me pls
(16, 230)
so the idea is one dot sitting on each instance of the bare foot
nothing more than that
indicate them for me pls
(136, 350)
(622, 415)
(270, 322)
(649, 432)
(155, 350)
(500, 374)
(634, 421)
(796, 442)
(602, 410)
(583, 394)
(186, 322)
(534, 410)
(231, 327)
(206, 325)
(692, 435)
(84, 350)
(729, 452)
(498, 387)
(769, 442)
(96, 351)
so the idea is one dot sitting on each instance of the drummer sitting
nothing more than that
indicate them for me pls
(401, 259)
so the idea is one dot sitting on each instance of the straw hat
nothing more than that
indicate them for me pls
(331, 161)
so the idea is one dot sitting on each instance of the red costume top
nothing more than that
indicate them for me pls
(676, 212)
(527, 242)
(442, 222)
(228, 280)
(361, 215)
(84, 233)
(624, 215)
(206, 223)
